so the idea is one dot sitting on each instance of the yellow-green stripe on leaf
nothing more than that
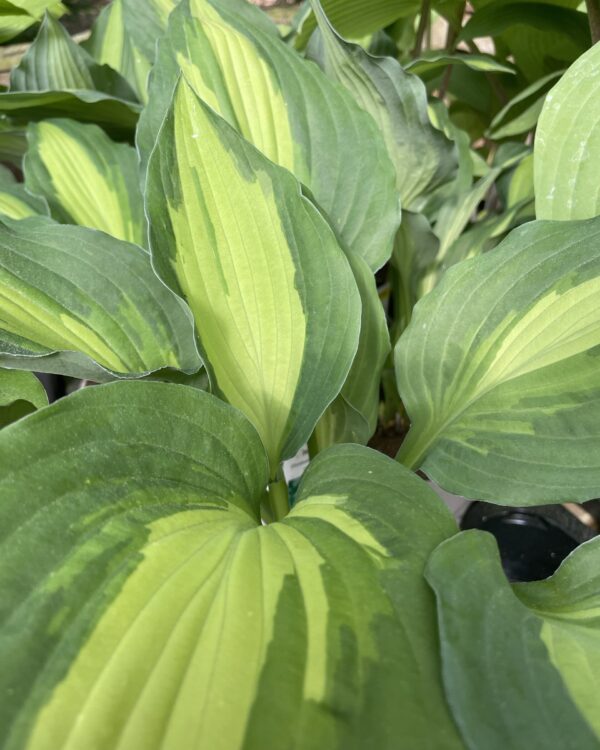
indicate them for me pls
(140, 554)
(276, 307)
(17, 203)
(567, 144)
(499, 370)
(542, 654)
(86, 178)
(79, 302)
(20, 394)
(235, 61)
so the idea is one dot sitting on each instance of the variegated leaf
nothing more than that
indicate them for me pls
(86, 178)
(567, 144)
(20, 394)
(81, 303)
(57, 78)
(18, 15)
(16, 202)
(111, 44)
(143, 605)
(146, 22)
(537, 646)
(422, 155)
(276, 307)
(288, 109)
(499, 370)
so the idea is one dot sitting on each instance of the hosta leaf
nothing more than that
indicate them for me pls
(71, 297)
(86, 178)
(57, 78)
(422, 156)
(435, 62)
(521, 113)
(356, 19)
(146, 22)
(495, 18)
(543, 654)
(352, 417)
(20, 394)
(131, 548)
(567, 144)
(111, 44)
(18, 15)
(16, 202)
(276, 307)
(288, 109)
(499, 370)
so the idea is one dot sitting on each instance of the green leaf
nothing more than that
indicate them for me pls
(536, 645)
(18, 15)
(521, 113)
(220, 214)
(20, 394)
(567, 144)
(355, 19)
(422, 156)
(81, 303)
(58, 78)
(111, 44)
(435, 62)
(499, 367)
(352, 417)
(146, 22)
(16, 202)
(495, 18)
(131, 546)
(285, 107)
(86, 178)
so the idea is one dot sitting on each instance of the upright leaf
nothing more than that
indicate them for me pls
(86, 178)
(276, 307)
(131, 546)
(58, 78)
(567, 144)
(111, 43)
(79, 302)
(20, 394)
(499, 370)
(536, 645)
(146, 22)
(397, 101)
(288, 109)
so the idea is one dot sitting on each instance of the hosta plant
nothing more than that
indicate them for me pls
(214, 287)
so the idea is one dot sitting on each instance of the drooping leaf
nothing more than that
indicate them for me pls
(86, 178)
(20, 394)
(435, 61)
(57, 78)
(495, 18)
(422, 156)
(355, 19)
(521, 113)
(536, 645)
(131, 545)
(567, 144)
(111, 43)
(288, 109)
(276, 306)
(78, 302)
(499, 370)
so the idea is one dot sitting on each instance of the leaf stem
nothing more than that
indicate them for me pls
(422, 27)
(593, 11)
(278, 501)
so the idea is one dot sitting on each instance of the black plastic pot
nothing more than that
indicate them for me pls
(532, 541)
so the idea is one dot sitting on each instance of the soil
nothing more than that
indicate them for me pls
(388, 439)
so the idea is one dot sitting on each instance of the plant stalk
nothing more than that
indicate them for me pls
(422, 27)
(593, 11)
(278, 502)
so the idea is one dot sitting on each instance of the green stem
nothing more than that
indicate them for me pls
(593, 11)
(422, 27)
(278, 501)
